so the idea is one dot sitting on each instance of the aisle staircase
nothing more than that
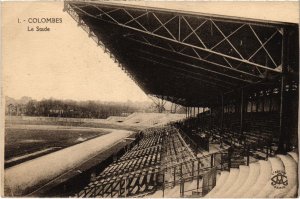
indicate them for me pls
(260, 180)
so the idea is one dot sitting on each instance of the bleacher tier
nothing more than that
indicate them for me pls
(163, 163)
(133, 173)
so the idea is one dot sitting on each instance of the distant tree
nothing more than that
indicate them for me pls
(31, 108)
(68, 108)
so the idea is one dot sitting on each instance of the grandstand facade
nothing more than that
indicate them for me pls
(238, 79)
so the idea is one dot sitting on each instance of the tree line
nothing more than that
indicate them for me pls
(74, 109)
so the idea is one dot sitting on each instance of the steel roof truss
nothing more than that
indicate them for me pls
(194, 57)
(172, 37)
(200, 79)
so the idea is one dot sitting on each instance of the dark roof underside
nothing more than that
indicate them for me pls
(189, 59)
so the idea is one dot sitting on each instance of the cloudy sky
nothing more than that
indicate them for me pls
(65, 64)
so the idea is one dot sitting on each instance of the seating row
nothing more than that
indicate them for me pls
(176, 152)
(123, 185)
(140, 153)
(133, 173)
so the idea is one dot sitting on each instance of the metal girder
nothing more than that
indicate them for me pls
(209, 36)
(183, 72)
(159, 102)
(195, 66)
(195, 56)
(92, 34)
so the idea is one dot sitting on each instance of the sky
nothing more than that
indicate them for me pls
(63, 63)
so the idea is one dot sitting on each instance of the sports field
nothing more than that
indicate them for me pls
(25, 142)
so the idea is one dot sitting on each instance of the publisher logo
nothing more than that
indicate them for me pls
(279, 179)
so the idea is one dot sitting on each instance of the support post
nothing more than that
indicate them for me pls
(230, 151)
(185, 112)
(174, 174)
(125, 191)
(198, 173)
(210, 118)
(181, 175)
(242, 111)
(163, 185)
(193, 165)
(222, 111)
(248, 155)
(111, 190)
(283, 131)
(203, 122)
(182, 188)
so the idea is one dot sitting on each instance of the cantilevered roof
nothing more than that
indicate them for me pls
(280, 11)
(186, 57)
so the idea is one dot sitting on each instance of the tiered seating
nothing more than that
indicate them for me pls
(259, 137)
(177, 152)
(140, 153)
(255, 180)
(129, 165)
(134, 173)
(261, 145)
(237, 157)
(146, 143)
(174, 191)
(179, 162)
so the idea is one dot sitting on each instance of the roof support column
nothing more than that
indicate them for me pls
(203, 120)
(283, 130)
(222, 110)
(186, 112)
(242, 111)
(192, 109)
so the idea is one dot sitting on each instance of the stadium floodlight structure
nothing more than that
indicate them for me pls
(195, 59)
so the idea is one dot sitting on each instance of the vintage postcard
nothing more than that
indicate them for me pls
(149, 99)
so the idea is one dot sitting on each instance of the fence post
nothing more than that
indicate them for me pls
(120, 190)
(267, 155)
(111, 189)
(181, 171)
(182, 188)
(229, 157)
(163, 185)
(193, 169)
(94, 193)
(125, 191)
(198, 173)
(248, 155)
(174, 175)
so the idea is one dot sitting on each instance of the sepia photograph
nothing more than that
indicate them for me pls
(149, 99)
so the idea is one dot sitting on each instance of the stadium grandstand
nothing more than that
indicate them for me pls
(237, 78)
